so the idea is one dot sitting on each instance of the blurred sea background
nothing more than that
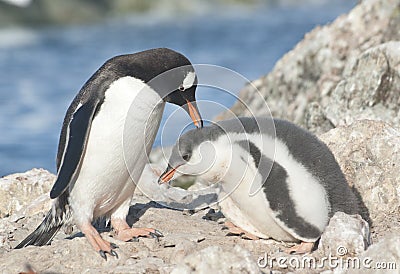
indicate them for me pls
(49, 48)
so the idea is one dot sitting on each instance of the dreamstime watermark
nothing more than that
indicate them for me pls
(308, 262)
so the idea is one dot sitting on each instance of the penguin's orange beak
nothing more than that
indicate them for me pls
(194, 114)
(167, 175)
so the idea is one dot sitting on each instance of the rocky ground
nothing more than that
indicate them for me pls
(195, 241)
(341, 82)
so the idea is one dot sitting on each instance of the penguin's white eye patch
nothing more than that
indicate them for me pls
(188, 82)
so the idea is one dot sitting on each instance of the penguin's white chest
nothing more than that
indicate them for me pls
(119, 140)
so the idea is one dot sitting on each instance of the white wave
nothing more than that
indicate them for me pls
(15, 37)
(18, 3)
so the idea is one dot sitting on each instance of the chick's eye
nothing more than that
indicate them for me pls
(181, 88)
(186, 157)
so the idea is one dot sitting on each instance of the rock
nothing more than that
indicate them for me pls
(368, 153)
(345, 235)
(183, 235)
(315, 119)
(214, 259)
(383, 256)
(312, 70)
(20, 189)
(39, 205)
(183, 248)
(7, 228)
(370, 88)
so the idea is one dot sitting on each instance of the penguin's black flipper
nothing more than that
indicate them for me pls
(75, 145)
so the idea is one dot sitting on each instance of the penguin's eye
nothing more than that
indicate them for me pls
(186, 157)
(181, 88)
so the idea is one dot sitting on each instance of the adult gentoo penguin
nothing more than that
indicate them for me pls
(300, 185)
(107, 134)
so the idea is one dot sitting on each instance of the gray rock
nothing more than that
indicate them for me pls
(316, 120)
(214, 259)
(6, 234)
(20, 189)
(345, 235)
(382, 257)
(311, 71)
(183, 235)
(370, 88)
(143, 266)
(368, 153)
(182, 248)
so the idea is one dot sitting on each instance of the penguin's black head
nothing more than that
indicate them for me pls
(178, 86)
(167, 72)
(184, 95)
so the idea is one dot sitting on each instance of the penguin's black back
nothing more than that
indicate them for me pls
(143, 65)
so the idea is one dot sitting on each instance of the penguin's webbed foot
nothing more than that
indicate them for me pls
(99, 244)
(126, 233)
(133, 234)
(233, 230)
(302, 248)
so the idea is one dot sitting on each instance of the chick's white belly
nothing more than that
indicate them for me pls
(252, 214)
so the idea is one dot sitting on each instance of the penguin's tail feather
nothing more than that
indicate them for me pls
(57, 216)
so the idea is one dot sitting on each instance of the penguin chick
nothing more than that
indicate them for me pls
(106, 137)
(278, 181)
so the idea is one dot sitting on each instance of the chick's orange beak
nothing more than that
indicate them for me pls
(167, 176)
(194, 114)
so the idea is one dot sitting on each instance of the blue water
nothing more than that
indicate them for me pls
(41, 70)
